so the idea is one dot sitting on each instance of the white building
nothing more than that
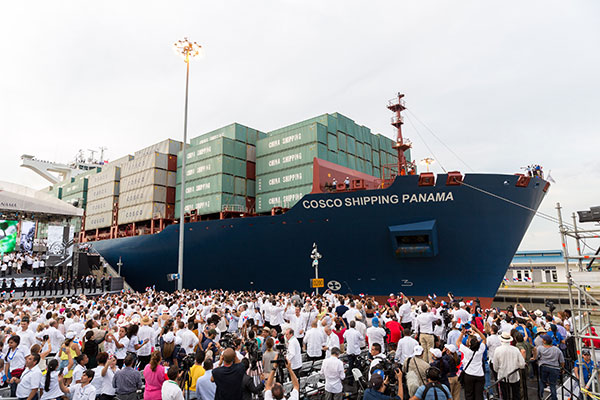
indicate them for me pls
(543, 266)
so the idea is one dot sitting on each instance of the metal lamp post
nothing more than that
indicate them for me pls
(316, 256)
(187, 50)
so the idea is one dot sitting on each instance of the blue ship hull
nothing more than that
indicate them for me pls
(416, 239)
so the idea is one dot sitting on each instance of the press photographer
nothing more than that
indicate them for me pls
(274, 390)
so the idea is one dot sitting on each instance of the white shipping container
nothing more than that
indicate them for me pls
(171, 179)
(142, 163)
(98, 221)
(104, 205)
(106, 190)
(144, 178)
(156, 194)
(109, 173)
(250, 153)
(119, 161)
(141, 212)
(168, 146)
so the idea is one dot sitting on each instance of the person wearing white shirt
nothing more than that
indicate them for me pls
(375, 334)
(28, 383)
(14, 361)
(49, 383)
(294, 353)
(298, 323)
(406, 347)
(56, 338)
(188, 339)
(146, 336)
(353, 339)
(332, 341)
(424, 323)
(80, 391)
(361, 328)
(507, 362)
(378, 357)
(314, 341)
(460, 314)
(26, 335)
(170, 389)
(493, 342)
(350, 314)
(405, 313)
(474, 380)
(276, 312)
(333, 371)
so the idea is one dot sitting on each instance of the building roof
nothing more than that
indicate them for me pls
(16, 198)
(543, 257)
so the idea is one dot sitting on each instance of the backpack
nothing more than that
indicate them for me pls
(414, 380)
(434, 385)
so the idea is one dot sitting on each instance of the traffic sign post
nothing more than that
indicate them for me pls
(334, 286)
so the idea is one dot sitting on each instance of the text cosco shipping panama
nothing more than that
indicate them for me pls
(378, 200)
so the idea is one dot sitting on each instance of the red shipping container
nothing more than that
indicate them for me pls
(172, 163)
(250, 170)
(171, 195)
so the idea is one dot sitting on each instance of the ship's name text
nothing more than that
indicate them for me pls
(379, 200)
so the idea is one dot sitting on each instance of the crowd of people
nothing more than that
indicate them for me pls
(16, 263)
(235, 345)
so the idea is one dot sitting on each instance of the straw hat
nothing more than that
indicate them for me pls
(146, 320)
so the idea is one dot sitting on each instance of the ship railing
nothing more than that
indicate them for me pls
(395, 101)
(396, 119)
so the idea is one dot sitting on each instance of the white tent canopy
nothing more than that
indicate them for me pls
(18, 198)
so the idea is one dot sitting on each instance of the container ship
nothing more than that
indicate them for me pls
(256, 203)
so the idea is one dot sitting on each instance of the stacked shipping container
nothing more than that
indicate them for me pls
(220, 171)
(147, 187)
(284, 159)
(103, 195)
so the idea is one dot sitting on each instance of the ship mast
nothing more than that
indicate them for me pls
(396, 105)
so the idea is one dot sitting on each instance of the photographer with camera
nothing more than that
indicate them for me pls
(249, 388)
(378, 387)
(275, 390)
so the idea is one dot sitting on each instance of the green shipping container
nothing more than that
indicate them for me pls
(332, 156)
(285, 179)
(290, 158)
(281, 198)
(218, 147)
(360, 165)
(212, 166)
(367, 152)
(251, 188)
(211, 204)
(233, 131)
(344, 123)
(342, 141)
(377, 172)
(375, 143)
(327, 120)
(239, 186)
(351, 145)
(375, 159)
(368, 167)
(75, 186)
(300, 137)
(220, 183)
(359, 150)
(351, 161)
(343, 159)
(332, 143)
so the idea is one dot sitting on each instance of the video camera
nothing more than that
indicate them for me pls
(389, 368)
(280, 347)
(253, 353)
(226, 341)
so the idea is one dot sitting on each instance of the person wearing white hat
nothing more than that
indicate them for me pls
(415, 369)
(453, 360)
(507, 362)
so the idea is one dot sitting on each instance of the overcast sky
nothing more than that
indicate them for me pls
(504, 84)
